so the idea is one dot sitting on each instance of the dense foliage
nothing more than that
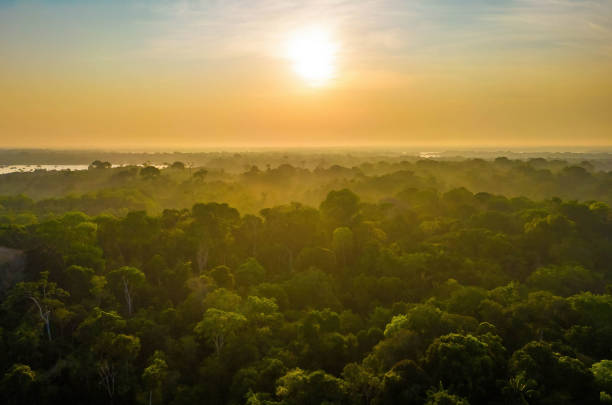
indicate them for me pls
(397, 289)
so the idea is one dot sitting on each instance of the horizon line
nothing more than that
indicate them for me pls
(516, 148)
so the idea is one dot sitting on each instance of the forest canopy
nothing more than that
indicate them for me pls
(424, 281)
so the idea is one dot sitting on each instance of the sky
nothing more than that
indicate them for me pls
(192, 74)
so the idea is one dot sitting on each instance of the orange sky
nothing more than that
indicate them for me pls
(188, 74)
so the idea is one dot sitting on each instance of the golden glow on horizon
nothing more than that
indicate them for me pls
(313, 52)
(305, 73)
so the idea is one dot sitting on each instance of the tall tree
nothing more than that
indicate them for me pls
(127, 279)
(218, 325)
(45, 296)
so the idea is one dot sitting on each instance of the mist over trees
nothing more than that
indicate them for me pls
(395, 281)
(251, 182)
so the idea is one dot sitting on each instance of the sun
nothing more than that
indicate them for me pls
(312, 52)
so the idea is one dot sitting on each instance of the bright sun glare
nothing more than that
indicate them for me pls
(313, 54)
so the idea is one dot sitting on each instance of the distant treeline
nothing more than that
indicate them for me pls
(310, 158)
(253, 187)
